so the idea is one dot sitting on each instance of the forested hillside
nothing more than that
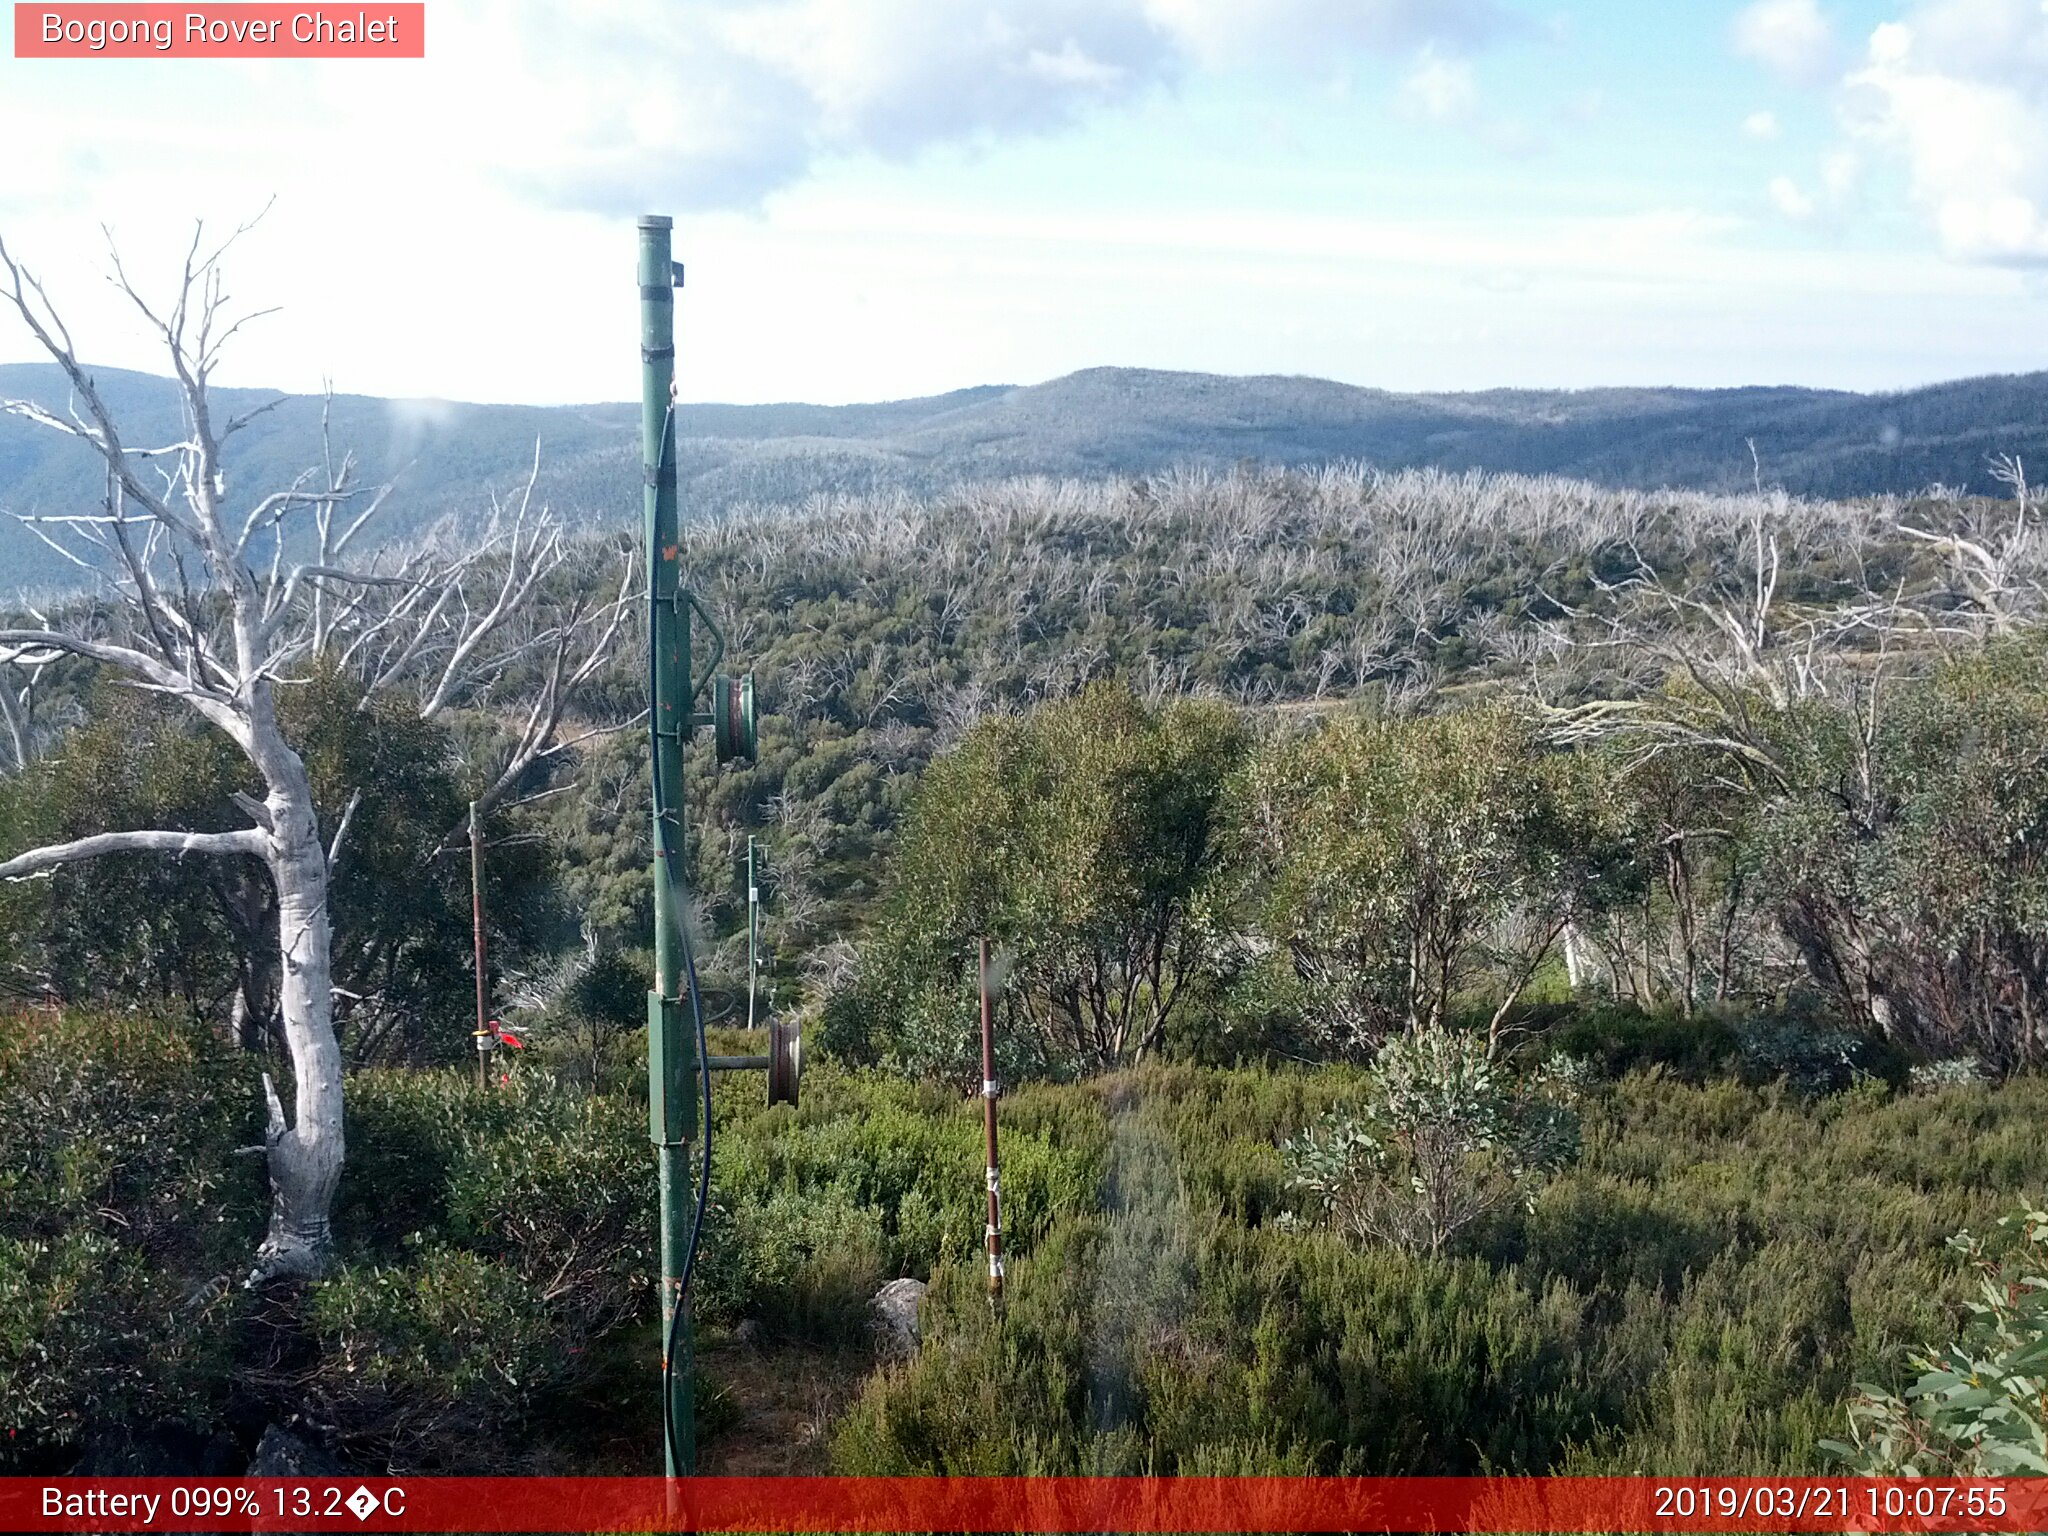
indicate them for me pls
(446, 457)
(1651, 878)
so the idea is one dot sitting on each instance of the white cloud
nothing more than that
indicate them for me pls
(1070, 66)
(1440, 89)
(1792, 38)
(1760, 125)
(1789, 200)
(1225, 33)
(1957, 92)
(893, 76)
(1840, 175)
(721, 102)
(1841, 171)
(614, 106)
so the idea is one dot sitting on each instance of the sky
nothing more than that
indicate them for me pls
(877, 199)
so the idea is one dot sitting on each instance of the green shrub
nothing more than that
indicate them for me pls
(911, 1156)
(1702, 1289)
(564, 1195)
(404, 1128)
(1811, 1055)
(805, 1265)
(1445, 1136)
(1618, 1039)
(1980, 1406)
(92, 1337)
(433, 1363)
(124, 1219)
(498, 1235)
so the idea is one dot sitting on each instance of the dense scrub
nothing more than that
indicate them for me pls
(122, 1211)
(1701, 1289)
(1840, 872)
(882, 629)
(1245, 775)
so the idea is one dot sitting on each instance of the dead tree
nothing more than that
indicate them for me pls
(1994, 564)
(1731, 656)
(216, 610)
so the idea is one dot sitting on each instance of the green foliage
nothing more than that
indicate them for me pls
(1980, 1406)
(1909, 851)
(1809, 1054)
(500, 1238)
(522, 1170)
(131, 926)
(802, 1263)
(873, 1178)
(1084, 840)
(193, 933)
(122, 1217)
(401, 895)
(496, 1236)
(432, 1361)
(1445, 1136)
(1752, 1225)
(1617, 1038)
(1409, 864)
(1702, 1289)
(579, 1015)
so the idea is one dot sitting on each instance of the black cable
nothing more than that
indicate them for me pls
(675, 1321)
(668, 855)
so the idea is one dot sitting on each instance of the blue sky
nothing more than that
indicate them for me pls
(880, 198)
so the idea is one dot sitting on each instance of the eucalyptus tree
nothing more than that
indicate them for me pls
(1407, 866)
(217, 601)
(1828, 730)
(1086, 839)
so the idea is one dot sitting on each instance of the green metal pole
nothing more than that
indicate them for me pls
(671, 1042)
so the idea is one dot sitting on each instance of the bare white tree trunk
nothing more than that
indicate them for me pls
(218, 647)
(306, 1154)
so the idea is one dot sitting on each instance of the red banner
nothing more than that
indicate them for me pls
(1076, 1504)
(215, 31)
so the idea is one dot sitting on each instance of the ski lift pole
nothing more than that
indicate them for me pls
(671, 1044)
(677, 1063)
(989, 1093)
(483, 1034)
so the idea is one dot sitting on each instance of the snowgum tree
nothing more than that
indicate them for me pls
(215, 601)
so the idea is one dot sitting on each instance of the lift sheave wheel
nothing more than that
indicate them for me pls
(734, 728)
(785, 1060)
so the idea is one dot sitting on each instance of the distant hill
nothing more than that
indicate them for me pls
(448, 458)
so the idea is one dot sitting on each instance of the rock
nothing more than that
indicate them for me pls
(897, 1306)
(280, 1453)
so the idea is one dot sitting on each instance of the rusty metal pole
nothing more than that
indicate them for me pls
(483, 985)
(753, 930)
(988, 1103)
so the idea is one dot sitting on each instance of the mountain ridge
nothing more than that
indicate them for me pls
(448, 457)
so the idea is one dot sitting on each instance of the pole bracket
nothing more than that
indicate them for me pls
(671, 1072)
